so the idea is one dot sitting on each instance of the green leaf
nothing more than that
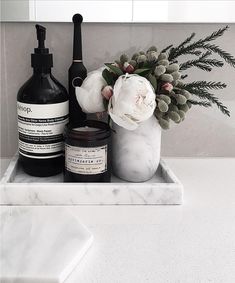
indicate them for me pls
(108, 77)
(146, 65)
(153, 81)
(142, 71)
(105, 103)
(115, 69)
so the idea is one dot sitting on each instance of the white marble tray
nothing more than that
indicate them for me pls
(18, 188)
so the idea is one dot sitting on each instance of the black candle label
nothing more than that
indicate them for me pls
(41, 129)
(86, 160)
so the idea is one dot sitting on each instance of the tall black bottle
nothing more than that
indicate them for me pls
(42, 106)
(77, 73)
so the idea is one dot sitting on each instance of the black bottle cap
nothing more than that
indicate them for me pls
(41, 57)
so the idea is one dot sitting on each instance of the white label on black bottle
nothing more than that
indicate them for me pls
(86, 160)
(41, 129)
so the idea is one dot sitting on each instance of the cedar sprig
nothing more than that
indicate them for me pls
(176, 52)
(204, 94)
(203, 85)
(186, 41)
(167, 48)
(222, 53)
(213, 62)
(195, 52)
(184, 77)
(203, 67)
(195, 63)
(205, 55)
(200, 103)
(202, 62)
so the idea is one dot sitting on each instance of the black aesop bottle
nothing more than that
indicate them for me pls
(42, 107)
(77, 73)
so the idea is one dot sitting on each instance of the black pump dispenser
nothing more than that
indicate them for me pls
(43, 110)
(41, 57)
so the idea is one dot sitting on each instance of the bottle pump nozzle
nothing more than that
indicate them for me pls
(41, 35)
(41, 57)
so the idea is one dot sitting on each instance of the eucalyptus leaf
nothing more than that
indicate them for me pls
(146, 65)
(142, 71)
(153, 81)
(108, 77)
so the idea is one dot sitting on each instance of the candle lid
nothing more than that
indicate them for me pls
(85, 129)
(88, 130)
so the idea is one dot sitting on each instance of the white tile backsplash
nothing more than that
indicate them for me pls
(203, 133)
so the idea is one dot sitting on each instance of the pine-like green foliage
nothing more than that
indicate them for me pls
(203, 85)
(223, 54)
(186, 41)
(195, 52)
(184, 77)
(182, 49)
(167, 48)
(204, 94)
(174, 50)
(200, 103)
(200, 89)
(202, 62)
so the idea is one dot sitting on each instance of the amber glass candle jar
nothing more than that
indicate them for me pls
(88, 152)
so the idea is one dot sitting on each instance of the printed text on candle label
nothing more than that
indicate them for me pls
(86, 160)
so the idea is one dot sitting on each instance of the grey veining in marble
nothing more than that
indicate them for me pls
(40, 245)
(18, 188)
(136, 154)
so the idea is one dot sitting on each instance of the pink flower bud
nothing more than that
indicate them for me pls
(128, 68)
(107, 92)
(115, 64)
(167, 87)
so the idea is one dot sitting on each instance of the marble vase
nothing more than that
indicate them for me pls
(136, 154)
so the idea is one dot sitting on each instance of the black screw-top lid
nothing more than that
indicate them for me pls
(41, 57)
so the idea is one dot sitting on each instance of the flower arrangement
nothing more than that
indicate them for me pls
(152, 82)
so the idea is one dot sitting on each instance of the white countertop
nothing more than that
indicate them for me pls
(194, 242)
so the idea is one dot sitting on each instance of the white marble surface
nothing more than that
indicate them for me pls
(136, 154)
(37, 246)
(190, 243)
(18, 188)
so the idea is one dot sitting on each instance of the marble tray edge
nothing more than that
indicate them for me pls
(10, 170)
(90, 193)
(165, 171)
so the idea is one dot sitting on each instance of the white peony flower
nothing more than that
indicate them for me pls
(89, 94)
(133, 101)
